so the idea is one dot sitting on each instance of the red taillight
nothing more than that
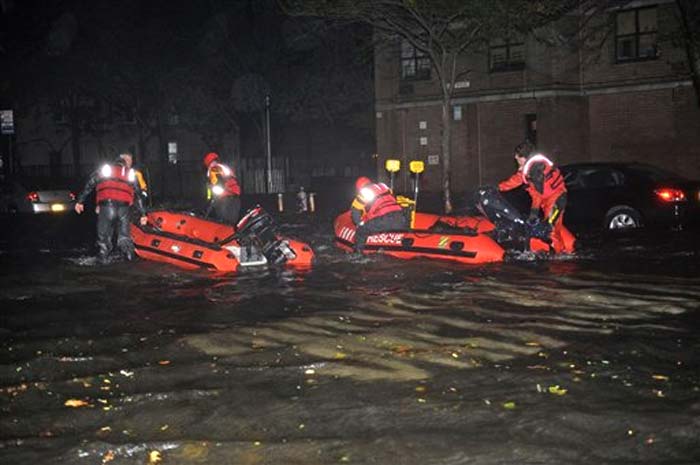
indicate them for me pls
(669, 194)
(72, 196)
(33, 197)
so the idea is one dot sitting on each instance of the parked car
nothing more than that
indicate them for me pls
(628, 195)
(35, 196)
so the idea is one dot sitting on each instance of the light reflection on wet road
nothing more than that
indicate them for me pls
(586, 359)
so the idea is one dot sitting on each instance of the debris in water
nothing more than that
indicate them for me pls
(108, 456)
(75, 403)
(154, 457)
(555, 389)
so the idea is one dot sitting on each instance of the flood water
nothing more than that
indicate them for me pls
(592, 358)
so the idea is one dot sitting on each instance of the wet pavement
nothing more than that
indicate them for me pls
(591, 358)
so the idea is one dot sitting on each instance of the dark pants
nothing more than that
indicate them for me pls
(226, 209)
(389, 222)
(113, 215)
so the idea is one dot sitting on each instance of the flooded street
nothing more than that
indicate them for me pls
(586, 359)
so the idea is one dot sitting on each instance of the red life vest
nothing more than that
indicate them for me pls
(117, 184)
(377, 200)
(553, 183)
(225, 180)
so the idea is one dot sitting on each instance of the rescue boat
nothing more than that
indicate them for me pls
(192, 242)
(475, 239)
(432, 236)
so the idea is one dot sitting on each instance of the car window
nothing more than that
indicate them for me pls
(572, 178)
(596, 178)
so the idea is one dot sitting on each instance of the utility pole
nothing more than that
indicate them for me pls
(269, 152)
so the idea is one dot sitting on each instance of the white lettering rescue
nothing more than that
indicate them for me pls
(385, 238)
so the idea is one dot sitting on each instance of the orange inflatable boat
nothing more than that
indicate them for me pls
(192, 242)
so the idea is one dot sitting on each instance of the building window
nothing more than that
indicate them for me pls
(635, 35)
(414, 63)
(507, 55)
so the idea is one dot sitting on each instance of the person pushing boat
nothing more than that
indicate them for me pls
(373, 210)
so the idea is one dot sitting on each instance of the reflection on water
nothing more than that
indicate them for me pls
(585, 359)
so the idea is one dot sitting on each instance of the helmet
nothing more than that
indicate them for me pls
(361, 182)
(210, 157)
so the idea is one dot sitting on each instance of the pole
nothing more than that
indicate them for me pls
(269, 152)
(10, 159)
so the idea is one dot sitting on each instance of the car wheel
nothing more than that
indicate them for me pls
(622, 218)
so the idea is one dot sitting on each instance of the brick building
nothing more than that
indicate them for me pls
(617, 95)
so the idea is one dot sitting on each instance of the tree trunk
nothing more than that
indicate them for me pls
(446, 153)
(690, 18)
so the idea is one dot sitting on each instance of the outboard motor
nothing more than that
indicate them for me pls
(257, 229)
(511, 228)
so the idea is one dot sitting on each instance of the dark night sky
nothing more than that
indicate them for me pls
(226, 51)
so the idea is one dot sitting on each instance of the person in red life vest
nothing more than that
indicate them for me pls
(545, 184)
(223, 190)
(117, 190)
(375, 209)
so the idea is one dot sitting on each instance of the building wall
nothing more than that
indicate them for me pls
(588, 108)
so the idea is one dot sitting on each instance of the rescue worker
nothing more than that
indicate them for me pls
(302, 200)
(545, 184)
(223, 190)
(117, 190)
(143, 186)
(374, 210)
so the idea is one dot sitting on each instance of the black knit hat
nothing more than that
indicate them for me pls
(524, 149)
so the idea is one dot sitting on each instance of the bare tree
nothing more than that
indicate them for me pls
(444, 31)
(690, 33)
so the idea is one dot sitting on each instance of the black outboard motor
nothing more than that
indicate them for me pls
(257, 229)
(512, 230)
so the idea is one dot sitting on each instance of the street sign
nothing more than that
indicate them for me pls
(7, 122)
(172, 153)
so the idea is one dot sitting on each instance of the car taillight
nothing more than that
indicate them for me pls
(669, 194)
(72, 196)
(33, 197)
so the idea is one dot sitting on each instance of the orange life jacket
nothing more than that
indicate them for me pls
(553, 182)
(377, 200)
(117, 184)
(224, 177)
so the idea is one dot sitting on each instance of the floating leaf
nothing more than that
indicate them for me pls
(510, 405)
(108, 456)
(154, 457)
(660, 377)
(555, 389)
(75, 403)
(401, 349)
